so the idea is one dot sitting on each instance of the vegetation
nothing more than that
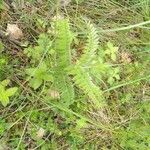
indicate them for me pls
(75, 75)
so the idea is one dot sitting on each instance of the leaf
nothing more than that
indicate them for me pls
(1, 46)
(84, 81)
(40, 133)
(44, 45)
(30, 71)
(64, 3)
(48, 77)
(91, 45)
(126, 57)
(4, 99)
(5, 94)
(11, 91)
(43, 67)
(39, 75)
(110, 80)
(1, 5)
(111, 50)
(35, 83)
(5, 82)
(62, 46)
(113, 57)
(81, 123)
(14, 31)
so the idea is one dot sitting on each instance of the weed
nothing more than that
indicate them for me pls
(6, 93)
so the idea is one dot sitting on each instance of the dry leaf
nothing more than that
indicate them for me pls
(18, 4)
(40, 1)
(64, 3)
(3, 146)
(14, 32)
(54, 94)
(126, 57)
(58, 17)
(40, 133)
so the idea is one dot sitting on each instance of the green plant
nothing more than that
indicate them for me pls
(1, 46)
(1, 5)
(145, 5)
(81, 70)
(136, 134)
(3, 62)
(5, 94)
(3, 126)
(38, 75)
(36, 52)
(111, 51)
(62, 45)
(91, 64)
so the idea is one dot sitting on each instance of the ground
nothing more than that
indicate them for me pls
(74, 74)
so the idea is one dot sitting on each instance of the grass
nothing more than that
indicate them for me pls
(80, 73)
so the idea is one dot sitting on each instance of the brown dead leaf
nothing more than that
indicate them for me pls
(40, 133)
(126, 57)
(18, 4)
(3, 146)
(14, 32)
(64, 3)
(58, 17)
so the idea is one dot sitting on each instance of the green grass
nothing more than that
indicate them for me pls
(79, 78)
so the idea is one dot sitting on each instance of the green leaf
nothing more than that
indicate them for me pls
(1, 46)
(111, 51)
(6, 93)
(48, 77)
(1, 4)
(5, 82)
(5, 100)
(43, 46)
(39, 75)
(62, 44)
(113, 57)
(81, 123)
(30, 71)
(35, 83)
(11, 91)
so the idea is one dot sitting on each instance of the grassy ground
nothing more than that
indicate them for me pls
(96, 101)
